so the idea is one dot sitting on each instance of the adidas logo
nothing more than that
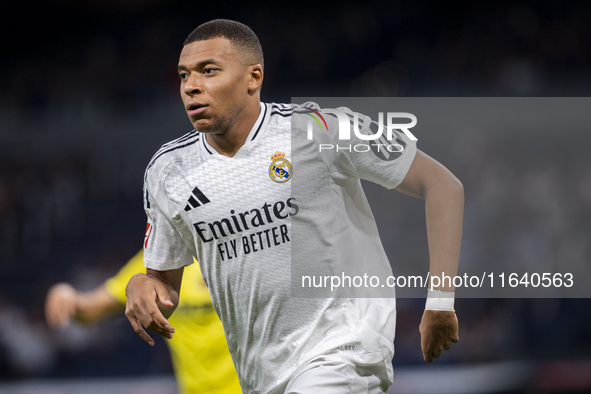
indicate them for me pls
(196, 200)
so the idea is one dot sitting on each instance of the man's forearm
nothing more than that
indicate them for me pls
(96, 305)
(444, 207)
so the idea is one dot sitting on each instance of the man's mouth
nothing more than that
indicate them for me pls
(195, 108)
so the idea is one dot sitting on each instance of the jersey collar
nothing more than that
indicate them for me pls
(254, 135)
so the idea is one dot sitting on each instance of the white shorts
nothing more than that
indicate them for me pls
(324, 376)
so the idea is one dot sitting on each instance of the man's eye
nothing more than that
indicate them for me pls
(184, 75)
(208, 70)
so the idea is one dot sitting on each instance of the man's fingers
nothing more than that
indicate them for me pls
(59, 308)
(137, 327)
(151, 318)
(158, 328)
(60, 316)
(51, 312)
(161, 321)
(158, 322)
(439, 329)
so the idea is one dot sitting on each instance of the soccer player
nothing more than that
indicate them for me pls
(199, 352)
(223, 193)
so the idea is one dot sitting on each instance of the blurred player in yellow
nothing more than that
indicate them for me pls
(199, 352)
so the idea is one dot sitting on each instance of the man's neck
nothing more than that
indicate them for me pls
(230, 142)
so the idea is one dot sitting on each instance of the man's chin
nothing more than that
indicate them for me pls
(211, 126)
(202, 125)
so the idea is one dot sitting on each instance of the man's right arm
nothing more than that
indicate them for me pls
(151, 299)
(64, 302)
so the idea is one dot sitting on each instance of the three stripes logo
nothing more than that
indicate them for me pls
(196, 200)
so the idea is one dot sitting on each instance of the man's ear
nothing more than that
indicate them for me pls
(255, 78)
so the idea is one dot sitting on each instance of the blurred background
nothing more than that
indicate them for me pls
(89, 91)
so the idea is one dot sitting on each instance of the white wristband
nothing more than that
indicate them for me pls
(438, 300)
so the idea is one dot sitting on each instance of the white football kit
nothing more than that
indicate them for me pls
(243, 217)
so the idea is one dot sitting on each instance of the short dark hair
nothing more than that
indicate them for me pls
(238, 34)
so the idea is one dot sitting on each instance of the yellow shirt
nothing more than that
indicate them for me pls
(200, 356)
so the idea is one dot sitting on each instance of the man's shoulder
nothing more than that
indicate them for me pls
(287, 109)
(171, 151)
(281, 113)
(309, 108)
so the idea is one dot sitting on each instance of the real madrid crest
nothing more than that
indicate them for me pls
(280, 169)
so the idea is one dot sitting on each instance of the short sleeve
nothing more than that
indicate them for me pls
(164, 248)
(384, 160)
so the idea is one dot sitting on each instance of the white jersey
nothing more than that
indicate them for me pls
(236, 216)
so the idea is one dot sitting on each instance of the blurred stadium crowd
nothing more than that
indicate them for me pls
(88, 94)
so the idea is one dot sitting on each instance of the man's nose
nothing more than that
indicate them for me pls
(193, 85)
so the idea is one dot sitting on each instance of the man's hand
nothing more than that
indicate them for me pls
(60, 305)
(439, 329)
(146, 295)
